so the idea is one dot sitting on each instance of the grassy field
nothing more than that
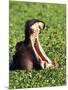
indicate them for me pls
(52, 41)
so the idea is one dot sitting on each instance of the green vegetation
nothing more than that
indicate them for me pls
(52, 41)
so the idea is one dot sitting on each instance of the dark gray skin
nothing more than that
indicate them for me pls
(24, 57)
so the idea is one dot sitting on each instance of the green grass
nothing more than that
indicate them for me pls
(52, 41)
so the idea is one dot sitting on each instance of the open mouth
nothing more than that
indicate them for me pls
(38, 50)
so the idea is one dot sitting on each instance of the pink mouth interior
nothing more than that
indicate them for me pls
(39, 51)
